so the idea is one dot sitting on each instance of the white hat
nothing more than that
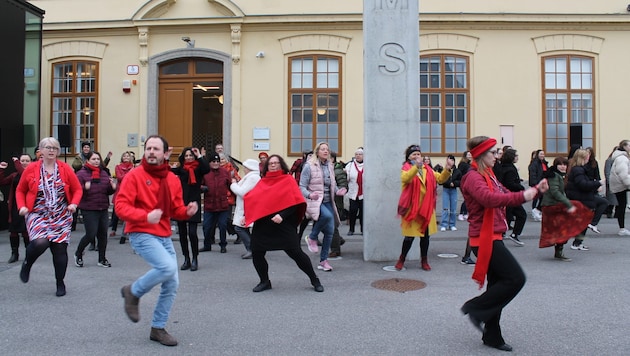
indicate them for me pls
(251, 164)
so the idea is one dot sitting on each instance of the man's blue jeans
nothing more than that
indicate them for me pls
(160, 254)
(325, 224)
(211, 219)
(449, 207)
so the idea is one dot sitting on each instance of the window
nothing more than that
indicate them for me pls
(569, 97)
(314, 102)
(74, 101)
(444, 103)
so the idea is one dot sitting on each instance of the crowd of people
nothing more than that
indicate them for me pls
(270, 206)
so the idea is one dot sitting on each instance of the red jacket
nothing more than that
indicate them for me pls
(478, 196)
(217, 183)
(26, 191)
(138, 196)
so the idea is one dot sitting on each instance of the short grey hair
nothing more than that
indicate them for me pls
(49, 141)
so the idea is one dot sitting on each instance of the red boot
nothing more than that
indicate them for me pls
(401, 263)
(425, 264)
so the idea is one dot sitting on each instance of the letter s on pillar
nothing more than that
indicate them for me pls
(392, 59)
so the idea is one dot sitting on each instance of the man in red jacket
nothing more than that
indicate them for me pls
(148, 198)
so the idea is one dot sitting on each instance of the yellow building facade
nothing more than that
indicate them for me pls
(281, 75)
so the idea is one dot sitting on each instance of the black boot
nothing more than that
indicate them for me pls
(123, 239)
(317, 285)
(61, 289)
(186, 264)
(559, 255)
(25, 272)
(194, 266)
(14, 255)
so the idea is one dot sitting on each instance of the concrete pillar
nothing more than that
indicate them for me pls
(392, 121)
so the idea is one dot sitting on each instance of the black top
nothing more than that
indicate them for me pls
(192, 192)
(269, 236)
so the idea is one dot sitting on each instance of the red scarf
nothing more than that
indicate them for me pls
(96, 171)
(359, 180)
(485, 235)
(276, 191)
(190, 167)
(160, 171)
(409, 203)
(125, 166)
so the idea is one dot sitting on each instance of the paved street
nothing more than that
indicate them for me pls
(566, 308)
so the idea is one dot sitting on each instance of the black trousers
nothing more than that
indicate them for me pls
(505, 279)
(95, 222)
(301, 260)
(620, 213)
(520, 215)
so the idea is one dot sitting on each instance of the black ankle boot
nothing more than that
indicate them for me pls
(186, 264)
(14, 255)
(123, 239)
(317, 285)
(25, 272)
(194, 266)
(61, 289)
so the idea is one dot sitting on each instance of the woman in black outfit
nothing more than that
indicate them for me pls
(512, 181)
(579, 186)
(276, 207)
(191, 169)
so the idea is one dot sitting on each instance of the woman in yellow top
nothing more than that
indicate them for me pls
(416, 206)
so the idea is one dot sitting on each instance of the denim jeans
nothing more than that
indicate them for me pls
(210, 218)
(449, 207)
(245, 236)
(160, 254)
(325, 224)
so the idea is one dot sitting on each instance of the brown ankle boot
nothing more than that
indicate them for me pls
(131, 303)
(401, 263)
(424, 264)
(163, 337)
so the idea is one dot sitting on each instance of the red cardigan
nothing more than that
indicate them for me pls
(26, 191)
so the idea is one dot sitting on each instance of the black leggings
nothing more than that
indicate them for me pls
(424, 245)
(59, 255)
(300, 258)
(186, 229)
(620, 212)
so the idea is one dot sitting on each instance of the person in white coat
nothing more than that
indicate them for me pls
(620, 183)
(354, 170)
(240, 188)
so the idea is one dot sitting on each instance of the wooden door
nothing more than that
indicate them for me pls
(175, 115)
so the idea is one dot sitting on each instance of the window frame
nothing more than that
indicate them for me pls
(568, 92)
(442, 93)
(71, 112)
(315, 91)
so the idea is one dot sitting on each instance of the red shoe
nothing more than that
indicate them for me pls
(425, 264)
(401, 263)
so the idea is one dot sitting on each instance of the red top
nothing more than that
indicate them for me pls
(138, 196)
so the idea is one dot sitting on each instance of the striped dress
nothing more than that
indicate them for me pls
(50, 221)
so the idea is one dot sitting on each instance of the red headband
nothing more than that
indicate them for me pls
(483, 147)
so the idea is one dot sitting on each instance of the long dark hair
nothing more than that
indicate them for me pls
(181, 156)
(283, 165)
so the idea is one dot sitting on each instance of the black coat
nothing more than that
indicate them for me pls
(269, 236)
(510, 178)
(580, 187)
(192, 192)
(536, 171)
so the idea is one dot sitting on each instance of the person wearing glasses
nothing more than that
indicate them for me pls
(47, 195)
(276, 206)
(486, 200)
(416, 205)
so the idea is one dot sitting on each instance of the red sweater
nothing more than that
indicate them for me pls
(26, 191)
(138, 196)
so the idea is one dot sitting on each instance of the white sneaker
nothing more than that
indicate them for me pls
(580, 247)
(536, 214)
(453, 228)
(594, 228)
(461, 217)
(465, 216)
(624, 232)
(442, 229)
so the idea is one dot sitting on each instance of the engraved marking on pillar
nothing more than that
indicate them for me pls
(392, 59)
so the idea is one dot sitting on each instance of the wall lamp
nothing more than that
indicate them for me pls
(189, 43)
(260, 54)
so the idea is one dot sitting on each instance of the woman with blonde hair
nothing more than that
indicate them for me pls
(620, 183)
(579, 186)
(47, 195)
(318, 186)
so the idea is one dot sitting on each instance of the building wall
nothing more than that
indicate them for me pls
(505, 43)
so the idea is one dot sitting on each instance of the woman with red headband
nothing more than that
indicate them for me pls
(486, 200)
(416, 206)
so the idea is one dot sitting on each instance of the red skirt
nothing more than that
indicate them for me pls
(558, 226)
